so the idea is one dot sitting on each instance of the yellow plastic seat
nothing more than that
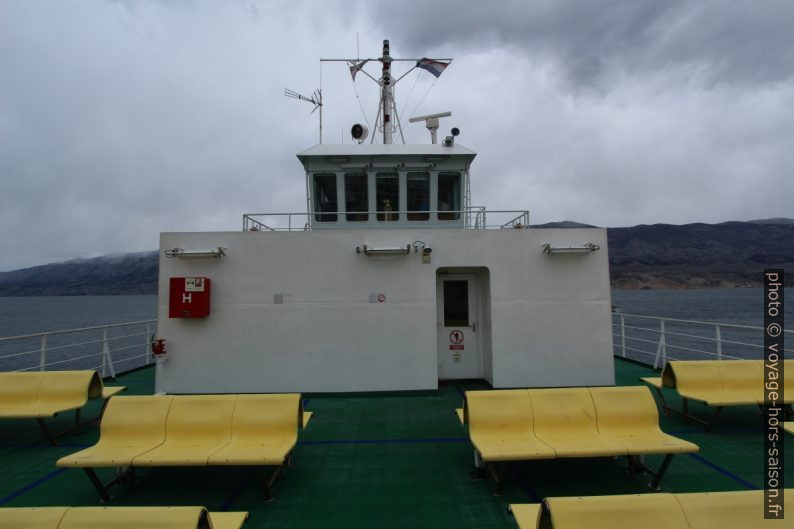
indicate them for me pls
(197, 427)
(742, 382)
(731, 510)
(18, 393)
(31, 517)
(695, 379)
(135, 517)
(656, 382)
(111, 391)
(527, 515)
(131, 426)
(788, 381)
(264, 430)
(65, 390)
(501, 426)
(47, 393)
(788, 427)
(628, 415)
(565, 419)
(649, 511)
(228, 520)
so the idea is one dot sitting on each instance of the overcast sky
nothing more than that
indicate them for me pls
(122, 119)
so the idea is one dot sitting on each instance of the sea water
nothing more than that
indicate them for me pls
(38, 314)
(684, 341)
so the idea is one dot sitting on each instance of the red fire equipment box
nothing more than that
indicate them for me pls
(189, 297)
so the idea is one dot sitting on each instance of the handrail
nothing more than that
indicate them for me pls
(691, 344)
(79, 329)
(734, 325)
(80, 349)
(472, 217)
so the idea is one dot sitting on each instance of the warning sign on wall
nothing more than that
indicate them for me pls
(456, 340)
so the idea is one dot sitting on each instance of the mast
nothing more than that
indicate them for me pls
(387, 96)
(387, 109)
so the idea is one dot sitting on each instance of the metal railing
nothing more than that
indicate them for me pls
(654, 340)
(474, 217)
(110, 349)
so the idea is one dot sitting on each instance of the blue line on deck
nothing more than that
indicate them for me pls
(386, 441)
(531, 492)
(31, 486)
(724, 472)
(238, 490)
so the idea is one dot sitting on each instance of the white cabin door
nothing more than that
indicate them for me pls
(458, 322)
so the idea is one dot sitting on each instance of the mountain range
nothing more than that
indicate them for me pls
(657, 256)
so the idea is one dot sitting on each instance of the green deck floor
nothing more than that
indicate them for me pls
(386, 461)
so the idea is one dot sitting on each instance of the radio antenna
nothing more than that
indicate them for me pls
(316, 99)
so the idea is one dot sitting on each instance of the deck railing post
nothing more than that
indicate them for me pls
(719, 341)
(146, 345)
(107, 360)
(623, 334)
(104, 371)
(661, 348)
(43, 353)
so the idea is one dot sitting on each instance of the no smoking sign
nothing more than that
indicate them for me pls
(456, 340)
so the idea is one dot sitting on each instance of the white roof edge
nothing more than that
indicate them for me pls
(386, 150)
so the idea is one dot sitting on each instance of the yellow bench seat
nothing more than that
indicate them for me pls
(131, 426)
(501, 426)
(197, 427)
(617, 512)
(527, 515)
(46, 393)
(31, 517)
(119, 518)
(628, 416)
(264, 429)
(565, 419)
(193, 430)
(527, 424)
(717, 383)
(708, 510)
(728, 510)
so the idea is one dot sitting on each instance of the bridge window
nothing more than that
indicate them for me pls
(356, 197)
(387, 193)
(325, 197)
(449, 196)
(418, 195)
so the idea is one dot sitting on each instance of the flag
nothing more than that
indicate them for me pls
(434, 67)
(355, 67)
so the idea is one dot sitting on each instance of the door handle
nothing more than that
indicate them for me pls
(474, 326)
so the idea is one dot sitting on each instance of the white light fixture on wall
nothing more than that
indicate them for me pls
(548, 249)
(399, 250)
(196, 254)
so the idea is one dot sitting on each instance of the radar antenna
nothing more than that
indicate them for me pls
(431, 122)
(316, 99)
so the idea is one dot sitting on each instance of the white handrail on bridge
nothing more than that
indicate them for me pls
(107, 363)
(690, 344)
(473, 217)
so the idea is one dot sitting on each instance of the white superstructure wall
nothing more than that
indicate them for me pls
(298, 311)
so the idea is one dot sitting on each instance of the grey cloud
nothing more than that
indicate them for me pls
(119, 120)
(595, 43)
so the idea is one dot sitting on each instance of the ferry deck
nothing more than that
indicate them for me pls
(388, 460)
